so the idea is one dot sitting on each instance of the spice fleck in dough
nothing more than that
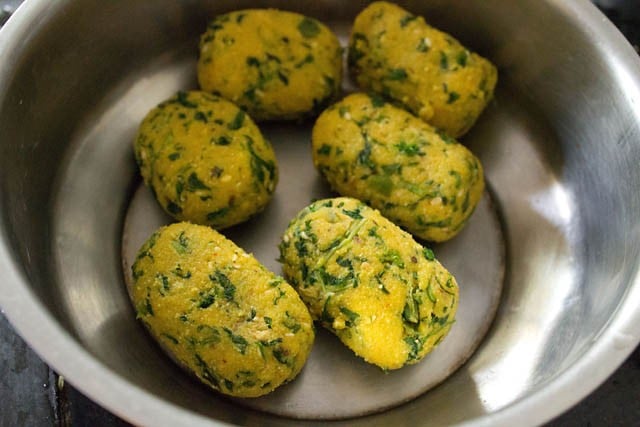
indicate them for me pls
(396, 53)
(218, 312)
(274, 64)
(205, 160)
(384, 295)
(419, 178)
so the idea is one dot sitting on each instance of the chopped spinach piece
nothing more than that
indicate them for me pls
(376, 100)
(325, 150)
(411, 312)
(405, 20)
(238, 341)
(290, 323)
(428, 254)
(453, 97)
(207, 298)
(283, 78)
(355, 214)
(281, 355)
(440, 321)
(409, 149)
(206, 372)
(229, 288)
(325, 316)
(173, 208)
(171, 338)
(336, 283)
(223, 140)
(415, 344)
(392, 257)
(252, 61)
(458, 178)
(178, 271)
(208, 335)
(181, 244)
(216, 215)
(351, 316)
(194, 183)
(164, 282)
(237, 121)
(199, 115)
(307, 60)
(446, 138)
(308, 27)
(440, 223)
(364, 156)
(259, 165)
(355, 54)
(183, 99)
(462, 57)
(444, 61)
(397, 74)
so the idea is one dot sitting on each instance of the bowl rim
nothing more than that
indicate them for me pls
(58, 348)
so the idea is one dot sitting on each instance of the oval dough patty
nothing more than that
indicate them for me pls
(205, 160)
(218, 312)
(397, 54)
(272, 63)
(419, 178)
(384, 295)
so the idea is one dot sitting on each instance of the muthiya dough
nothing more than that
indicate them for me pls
(205, 160)
(396, 53)
(218, 312)
(384, 295)
(274, 64)
(419, 178)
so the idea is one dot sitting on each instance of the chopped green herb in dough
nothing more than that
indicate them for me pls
(275, 65)
(364, 279)
(398, 55)
(177, 158)
(420, 178)
(210, 306)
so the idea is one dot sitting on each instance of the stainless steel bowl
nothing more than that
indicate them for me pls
(560, 145)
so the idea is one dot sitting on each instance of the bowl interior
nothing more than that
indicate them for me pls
(559, 146)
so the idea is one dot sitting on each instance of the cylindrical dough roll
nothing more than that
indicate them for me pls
(417, 177)
(272, 63)
(218, 312)
(384, 295)
(205, 160)
(397, 54)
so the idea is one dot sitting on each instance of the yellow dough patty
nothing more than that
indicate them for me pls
(218, 312)
(397, 54)
(205, 160)
(274, 64)
(384, 295)
(419, 178)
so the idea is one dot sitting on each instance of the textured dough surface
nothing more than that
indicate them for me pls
(205, 160)
(397, 54)
(272, 63)
(218, 312)
(384, 295)
(417, 177)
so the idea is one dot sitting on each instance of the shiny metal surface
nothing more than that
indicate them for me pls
(560, 146)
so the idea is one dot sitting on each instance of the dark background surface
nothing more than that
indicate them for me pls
(31, 394)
